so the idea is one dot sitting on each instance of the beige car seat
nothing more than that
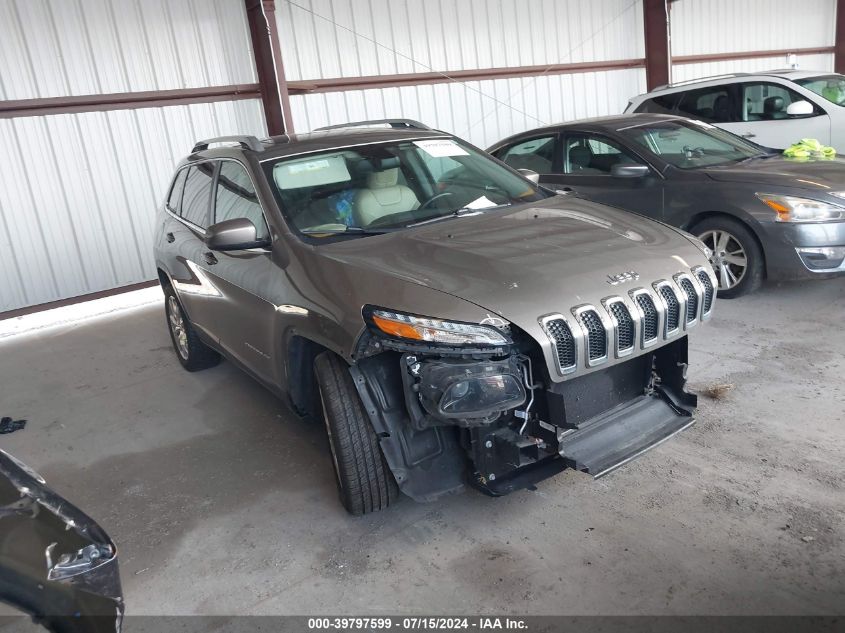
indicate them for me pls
(383, 196)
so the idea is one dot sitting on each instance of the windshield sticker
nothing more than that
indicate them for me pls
(310, 172)
(441, 147)
(481, 203)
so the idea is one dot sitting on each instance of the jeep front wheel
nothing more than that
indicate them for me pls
(364, 480)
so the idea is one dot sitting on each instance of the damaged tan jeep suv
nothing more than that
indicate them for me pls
(452, 322)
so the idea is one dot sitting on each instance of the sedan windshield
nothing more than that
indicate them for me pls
(690, 144)
(390, 186)
(831, 87)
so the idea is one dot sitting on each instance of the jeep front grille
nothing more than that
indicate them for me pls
(564, 343)
(596, 334)
(646, 304)
(707, 285)
(692, 298)
(673, 308)
(624, 326)
(589, 335)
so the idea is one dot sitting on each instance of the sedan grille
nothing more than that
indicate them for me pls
(564, 343)
(649, 317)
(596, 334)
(692, 299)
(624, 328)
(673, 308)
(704, 278)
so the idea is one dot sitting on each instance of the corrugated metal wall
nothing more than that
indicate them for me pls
(339, 38)
(78, 192)
(701, 27)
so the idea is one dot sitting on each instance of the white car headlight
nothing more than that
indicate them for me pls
(794, 209)
(429, 330)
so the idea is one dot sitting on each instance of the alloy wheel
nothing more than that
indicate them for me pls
(177, 327)
(728, 258)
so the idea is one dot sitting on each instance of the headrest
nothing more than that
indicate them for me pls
(773, 104)
(383, 179)
(580, 156)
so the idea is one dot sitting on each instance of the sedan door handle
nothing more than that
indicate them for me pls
(170, 238)
(210, 259)
(749, 135)
(566, 189)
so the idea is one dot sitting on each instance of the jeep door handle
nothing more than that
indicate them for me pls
(170, 238)
(210, 259)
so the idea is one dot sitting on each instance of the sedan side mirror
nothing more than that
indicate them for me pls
(800, 108)
(629, 170)
(233, 235)
(533, 176)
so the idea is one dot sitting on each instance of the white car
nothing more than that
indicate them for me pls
(773, 109)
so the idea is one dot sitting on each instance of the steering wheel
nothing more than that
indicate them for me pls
(693, 152)
(442, 194)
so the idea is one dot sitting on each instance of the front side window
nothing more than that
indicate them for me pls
(174, 200)
(713, 105)
(586, 154)
(197, 194)
(391, 186)
(536, 154)
(766, 101)
(831, 87)
(236, 198)
(690, 144)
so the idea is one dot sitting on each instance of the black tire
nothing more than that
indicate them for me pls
(191, 352)
(739, 236)
(364, 480)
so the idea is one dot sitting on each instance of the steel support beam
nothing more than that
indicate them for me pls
(839, 43)
(658, 57)
(261, 16)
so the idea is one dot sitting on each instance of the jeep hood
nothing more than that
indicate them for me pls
(527, 261)
(819, 175)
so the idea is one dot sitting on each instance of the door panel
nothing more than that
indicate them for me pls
(186, 244)
(585, 168)
(243, 314)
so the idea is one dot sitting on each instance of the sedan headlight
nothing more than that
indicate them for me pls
(794, 209)
(429, 330)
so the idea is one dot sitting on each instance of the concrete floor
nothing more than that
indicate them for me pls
(222, 503)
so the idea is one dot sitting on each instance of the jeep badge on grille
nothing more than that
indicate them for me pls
(621, 278)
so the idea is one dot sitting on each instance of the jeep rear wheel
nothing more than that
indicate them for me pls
(190, 350)
(364, 480)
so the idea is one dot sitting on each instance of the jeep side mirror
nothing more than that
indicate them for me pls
(630, 170)
(233, 235)
(532, 175)
(800, 108)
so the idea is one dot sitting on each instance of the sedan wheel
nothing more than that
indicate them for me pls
(729, 259)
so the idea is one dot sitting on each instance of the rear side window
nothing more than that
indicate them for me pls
(197, 194)
(174, 200)
(536, 154)
(664, 104)
(236, 198)
(714, 104)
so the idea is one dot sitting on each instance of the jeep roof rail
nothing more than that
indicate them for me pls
(246, 141)
(694, 81)
(395, 123)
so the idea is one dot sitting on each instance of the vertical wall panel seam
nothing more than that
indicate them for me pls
(68, 213)
(36, 215)
(15, 262)
(26, 49)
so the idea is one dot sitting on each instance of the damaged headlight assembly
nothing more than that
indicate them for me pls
(449, 385)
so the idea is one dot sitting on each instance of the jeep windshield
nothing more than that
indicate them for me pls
(391, 186)
(690, 144)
